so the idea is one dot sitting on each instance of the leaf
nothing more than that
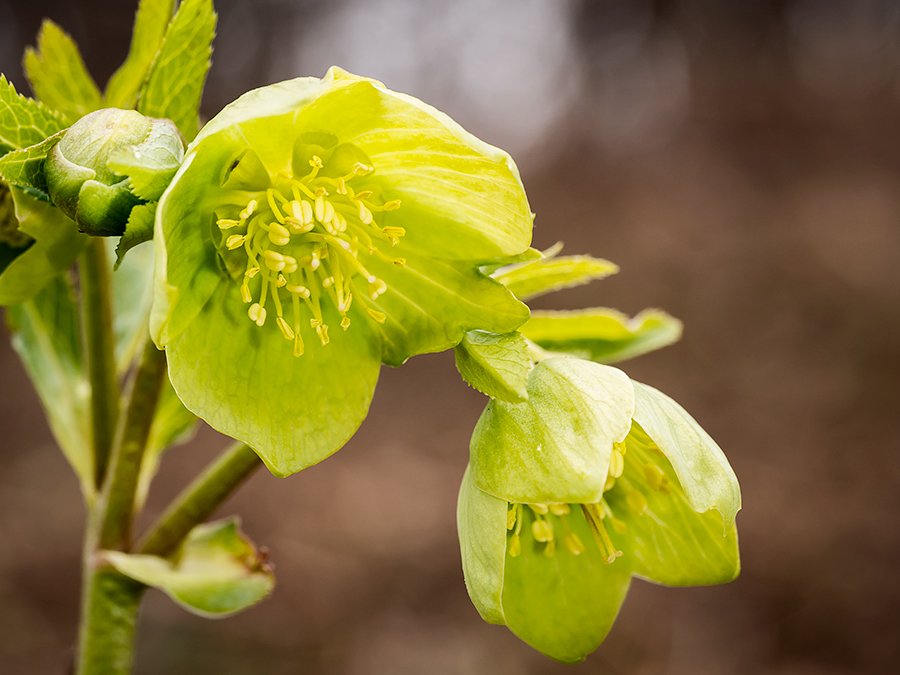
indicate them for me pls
(23, 121)
(481, 520)
(600, 334)
(217, 572)
(138, 229)
(669, 543)
(46, 335)
(533, 279)
(496, 365)
(172, 423)
(563, 605)
(150, 164)
(150, 26)
(556, 446)
(700, 465)
(25, 168)
(175, 81)
(131, 296)
(58, 75)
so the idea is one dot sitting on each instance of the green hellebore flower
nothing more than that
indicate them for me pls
(109, 162)
(316, 229)
(37, 242)
(594, 479)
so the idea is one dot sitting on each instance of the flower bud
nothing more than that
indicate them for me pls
(86, 178)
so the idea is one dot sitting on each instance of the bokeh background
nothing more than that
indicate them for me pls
(740, 161)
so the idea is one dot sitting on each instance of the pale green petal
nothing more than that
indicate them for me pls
(537, 278)
(700, 465)
(430, 304)
(481, 520)
(461, 198)
(57, 244)
(670, 542)
(496, 365)
(187, 270)
(563, 605)
(217, 572)
(556, 446)
(244, 381)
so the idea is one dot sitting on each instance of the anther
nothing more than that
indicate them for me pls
(281, 282)
(377, 316)
(257, 314)
(637, 502)
(235, 241)
(251, 207)
(285, 329)
(252, 272)
(345, 322)
(245, 293)
(654, 476)
(392, 205)
(364, 214)
(616, 464)
(515, 546)
(227, 223)
(560, 509)
(541, 530)
(302, 291)
(540, 509)
(511, 518)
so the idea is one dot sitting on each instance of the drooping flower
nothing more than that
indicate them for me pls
(316, 229)
(592, 480)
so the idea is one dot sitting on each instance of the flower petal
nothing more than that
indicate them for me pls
(481, 520)
(563, 605)
(430, 304)
(700, 465)
(670, 542)
(245, 382)
(556, 446)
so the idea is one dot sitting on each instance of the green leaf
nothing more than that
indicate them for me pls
(175, 81)
(563, 605)
(217, 572)
(58, 75)
(481, 520)
(556, 446)
(700, 465)
(23, 121)
(245, 382)
(57, 243)
(172, 424)
(669, 543)
(496, 365)
(603, 335)
(533, 279)
(430, 303)
(150, 26)
(132, 291)
(25, 168)
(46, 334)
(138, 229)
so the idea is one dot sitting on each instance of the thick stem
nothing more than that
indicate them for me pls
(199, 499)
(121, 484)
(100, 342)
(108, 621)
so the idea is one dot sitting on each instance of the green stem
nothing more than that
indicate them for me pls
(121, 484)
(97, 318)
(199, 499)
(108, 621)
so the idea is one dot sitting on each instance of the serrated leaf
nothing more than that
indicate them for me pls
(496, 365)
(47, 337)
(25, 168)
(533, 279)
(172, 424)
(58, 76)
(23, 121)
(150, 26)
(138, 229)
(150, 164)
(176, 78)
(217, 572)
(600, 334)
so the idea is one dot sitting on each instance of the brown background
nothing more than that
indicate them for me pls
(741, 162)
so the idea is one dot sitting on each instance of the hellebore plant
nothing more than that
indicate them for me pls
(312, 231)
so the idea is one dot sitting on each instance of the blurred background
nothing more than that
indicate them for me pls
(740, 161)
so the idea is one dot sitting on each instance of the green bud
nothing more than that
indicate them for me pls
(89, 172)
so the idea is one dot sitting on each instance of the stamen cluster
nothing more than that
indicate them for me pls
(303, 238)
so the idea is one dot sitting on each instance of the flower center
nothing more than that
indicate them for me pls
(302, 241)
(549, 521)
